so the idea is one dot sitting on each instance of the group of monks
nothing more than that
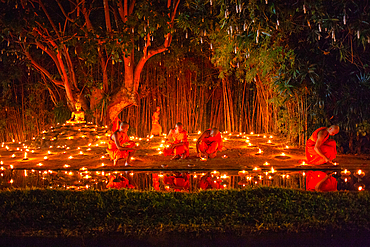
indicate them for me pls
(319, 148)
(121, 147)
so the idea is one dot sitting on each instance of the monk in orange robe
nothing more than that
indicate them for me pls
(120, 146)
(320, 181)
(319, 148)
(156, 127)
(209, 143)
(177, 141)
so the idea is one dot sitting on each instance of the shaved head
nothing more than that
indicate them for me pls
(333, 130)
(214, 131)
(123, 124)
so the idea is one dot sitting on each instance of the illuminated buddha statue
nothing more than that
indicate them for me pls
(78, 116)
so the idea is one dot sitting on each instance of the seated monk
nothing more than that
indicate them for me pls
(209, 143)
(78, 116)
(320, 149)
(156, 127)
(320, 181)
(120, 146)
(177, 140)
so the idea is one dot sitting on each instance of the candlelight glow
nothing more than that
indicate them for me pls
(39, 164)
(45, 157)
(13, 155)
(252, 133)
(66, 166)
(70, 157)
(266, 164)
(283, 154)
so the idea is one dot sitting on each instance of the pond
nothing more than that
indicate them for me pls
(190, 180)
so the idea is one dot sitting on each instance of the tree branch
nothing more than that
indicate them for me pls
(107, 16)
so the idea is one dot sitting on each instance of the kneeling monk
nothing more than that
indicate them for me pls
(177, 140)
(319, 148)
(120, 146)
(209, 143)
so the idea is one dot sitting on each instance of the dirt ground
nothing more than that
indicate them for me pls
(85, 146)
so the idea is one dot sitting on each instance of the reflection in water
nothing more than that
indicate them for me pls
(186, 181)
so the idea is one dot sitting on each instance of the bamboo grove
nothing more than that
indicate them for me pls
(286, 67)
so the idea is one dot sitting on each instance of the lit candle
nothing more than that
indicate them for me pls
(266, 164)
(25, 156)
(242, 173)
(13, 155)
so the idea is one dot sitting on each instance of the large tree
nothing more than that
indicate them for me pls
(95, 49)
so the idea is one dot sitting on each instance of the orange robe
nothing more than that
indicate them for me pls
(328, 148)
(156, 127)
(177, 138)
(314, 177)
(123, 140)
(211, 145)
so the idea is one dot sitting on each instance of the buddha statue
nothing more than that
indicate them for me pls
(78, 116)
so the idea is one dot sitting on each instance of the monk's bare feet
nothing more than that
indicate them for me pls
(184, 156)
(176, 157)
